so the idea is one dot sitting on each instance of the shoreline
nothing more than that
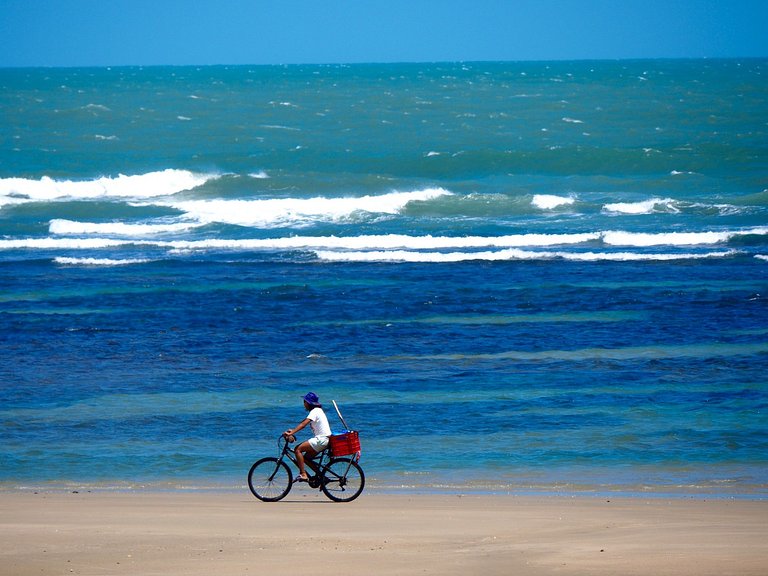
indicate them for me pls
(177, 533)
(403, 493)
(479, 489)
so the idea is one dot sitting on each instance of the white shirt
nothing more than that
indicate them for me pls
(319, 422)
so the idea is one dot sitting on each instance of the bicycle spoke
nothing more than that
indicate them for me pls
(269, 479)
(343, 480)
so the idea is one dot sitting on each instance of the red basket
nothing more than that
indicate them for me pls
(344, 444)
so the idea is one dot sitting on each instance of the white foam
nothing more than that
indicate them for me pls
(99, 107)
(67, 261)
(510, 254)
(69, 227)
(386, 242)
(10, 200)
(280, 127)
(413, 256)
(572, 120)
(549, 201)
(621, 238)
(369, 242)
(260, 175)
(152, 184)
(643, 207)
(275, 212)
(618, 238)
(638, 256)
(61, 243)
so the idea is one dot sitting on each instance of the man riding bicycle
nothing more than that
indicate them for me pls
(321, 430)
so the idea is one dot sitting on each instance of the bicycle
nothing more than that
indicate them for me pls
(340, 479)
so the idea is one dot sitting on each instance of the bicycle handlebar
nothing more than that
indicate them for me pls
(284, 440)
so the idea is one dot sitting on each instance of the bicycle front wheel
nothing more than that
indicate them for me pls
(343, 480)
(270, 479)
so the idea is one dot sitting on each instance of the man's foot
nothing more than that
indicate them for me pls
(301, 478)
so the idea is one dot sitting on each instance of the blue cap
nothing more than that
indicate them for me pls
(312, 399)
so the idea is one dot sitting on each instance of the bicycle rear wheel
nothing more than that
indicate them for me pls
(270, 479)
(343, 480)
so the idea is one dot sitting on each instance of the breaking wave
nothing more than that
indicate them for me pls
(274, 212)
(550, 202)
(367, 242)
(509, 254)
(149, 185)
(650, 206)
(69, 227)
(68, 261)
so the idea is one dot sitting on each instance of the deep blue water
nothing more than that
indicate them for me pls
(510, 276)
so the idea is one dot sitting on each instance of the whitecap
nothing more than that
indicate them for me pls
(298, 211)
(260, 175)
(390, 242)
(619, 238)
(643, 207)
(69, 227)
(11, 200)
(550, 201)
(61, 243)
(99, 107)
(509, 254)
(68, 261)
(572, 120)
(280, 127)
(389, 247)
(702, 238)
(641, 256)
(151, 184)
(382, 242)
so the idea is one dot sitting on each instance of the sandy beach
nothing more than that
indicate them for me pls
(175, 533)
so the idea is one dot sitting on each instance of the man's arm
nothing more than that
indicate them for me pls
(301, 426)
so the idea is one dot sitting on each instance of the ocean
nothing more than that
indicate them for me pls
(534, 277)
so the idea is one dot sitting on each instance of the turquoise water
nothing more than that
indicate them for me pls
(510, 276)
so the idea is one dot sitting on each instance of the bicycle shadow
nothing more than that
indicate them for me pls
(298, 501)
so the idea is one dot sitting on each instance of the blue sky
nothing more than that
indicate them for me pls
(151, 32)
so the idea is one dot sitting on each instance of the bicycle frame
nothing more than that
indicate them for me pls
(340, 478)
(314, 464)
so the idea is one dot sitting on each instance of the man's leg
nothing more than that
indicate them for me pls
(302, 450)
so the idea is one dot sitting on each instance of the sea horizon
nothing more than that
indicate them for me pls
(393, 62)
